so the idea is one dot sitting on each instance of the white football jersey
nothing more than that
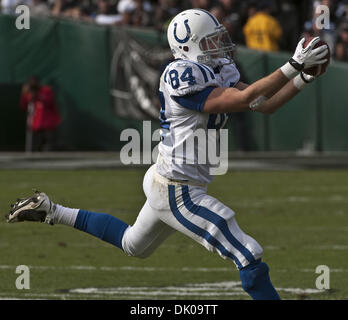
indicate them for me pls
(184, 87)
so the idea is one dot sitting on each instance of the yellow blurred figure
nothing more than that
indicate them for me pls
(262, 32)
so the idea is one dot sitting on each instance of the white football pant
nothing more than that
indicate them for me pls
(172, 206)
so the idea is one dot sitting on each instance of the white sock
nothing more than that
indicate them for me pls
(63, 215)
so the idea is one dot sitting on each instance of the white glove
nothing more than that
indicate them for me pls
(307, 57)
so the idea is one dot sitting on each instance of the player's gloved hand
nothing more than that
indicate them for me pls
(317, 56)
(307, 57)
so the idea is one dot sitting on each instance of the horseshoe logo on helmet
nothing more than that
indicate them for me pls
(188, 32)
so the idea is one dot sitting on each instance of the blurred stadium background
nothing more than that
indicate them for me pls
(102, 60)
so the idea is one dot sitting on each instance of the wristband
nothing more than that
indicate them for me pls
(289, 70)
(296, 65)
(299, 82)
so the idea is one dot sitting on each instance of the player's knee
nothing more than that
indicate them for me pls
(253, 246)
(134, 249)
(130, 250)
(247, 241)
(137, 253)
(257, 251)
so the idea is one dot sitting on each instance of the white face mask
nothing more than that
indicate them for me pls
(217, 48)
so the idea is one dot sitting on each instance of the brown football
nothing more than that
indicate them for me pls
(321, 68)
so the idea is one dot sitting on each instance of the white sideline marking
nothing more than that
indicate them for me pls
(329, 247)
(215, 289)
(257, 203)
(208, 290)
(124, 268)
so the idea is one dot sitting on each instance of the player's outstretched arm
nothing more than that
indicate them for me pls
(225, 100)
(290, 90)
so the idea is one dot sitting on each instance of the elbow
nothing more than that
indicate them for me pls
(246, 98)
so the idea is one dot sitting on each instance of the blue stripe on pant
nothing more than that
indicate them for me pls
(196, 229)
(219, 221)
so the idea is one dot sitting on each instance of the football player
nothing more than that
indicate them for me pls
(197, 91)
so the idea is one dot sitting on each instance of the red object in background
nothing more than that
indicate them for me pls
(45, 113)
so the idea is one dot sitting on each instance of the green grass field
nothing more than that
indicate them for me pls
(299, 217)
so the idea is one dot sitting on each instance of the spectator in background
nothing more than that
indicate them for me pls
(39, 8)
(125, 9)
(8, 6)
(64, 7)
(142, 15)
(231, 22)
(327, 34)
(105, 14)
(289, 19)
(77, 10)
(341, 12)
(57, 8)
(42, 114)
(341, 49)
(164, 12)
(218, 12)
(262, 31)
(307, 30)
(230, 6)
(201, 4)
(136, 12)
(251, 9)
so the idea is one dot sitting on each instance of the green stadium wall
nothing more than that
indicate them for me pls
(75, 58)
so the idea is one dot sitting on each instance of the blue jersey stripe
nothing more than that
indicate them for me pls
(211, 73)
(165, 125)
(202, 67)
(214, 218)
(202, 70)
(194, 101)
(196, 229)
(163, 120)
(165, 76)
